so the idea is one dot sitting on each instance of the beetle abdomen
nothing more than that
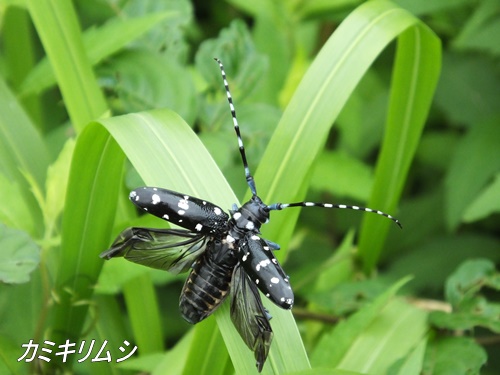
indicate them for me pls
(206, 287)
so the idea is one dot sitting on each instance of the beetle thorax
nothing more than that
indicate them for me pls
(250, 216)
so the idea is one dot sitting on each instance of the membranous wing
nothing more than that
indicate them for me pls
(172, 250)
(249, 316)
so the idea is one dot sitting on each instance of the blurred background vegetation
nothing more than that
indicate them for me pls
(158, 54)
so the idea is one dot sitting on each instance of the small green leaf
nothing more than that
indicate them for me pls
(477, 313)
(468, 280)
(99, 43)
(468, 173)
(469, 308)
(235, 48)
(481, 25)
(19, 255)
(458, 90)
(454, 356)
(15, 212)
(159, 83)
(485, 204)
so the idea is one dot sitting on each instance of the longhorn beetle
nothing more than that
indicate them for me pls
(225, 252)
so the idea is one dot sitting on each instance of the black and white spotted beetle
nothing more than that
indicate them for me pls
(224, 252)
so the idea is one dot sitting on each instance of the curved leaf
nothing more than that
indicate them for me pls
(321, 95)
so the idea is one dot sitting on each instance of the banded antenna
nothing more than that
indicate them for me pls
(250, 179)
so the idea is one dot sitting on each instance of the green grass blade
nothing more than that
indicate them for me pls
(91, 200)
(58, 28)
(22, 153)
(205, 355)
(19, 54)
(142, 306)
(416, 71)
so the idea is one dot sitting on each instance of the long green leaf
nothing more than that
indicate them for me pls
(143, 310)
(416, 72)
(22, 153)
(94, 182)
(58, 28)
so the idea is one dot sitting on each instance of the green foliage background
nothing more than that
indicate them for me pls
(391, 105)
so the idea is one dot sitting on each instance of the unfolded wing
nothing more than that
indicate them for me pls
(250, 317)
(171, 250)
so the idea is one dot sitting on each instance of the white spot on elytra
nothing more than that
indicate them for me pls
(245, 257)
(181, 212)
(257, 281)
(236, 215)
(250, 225)
(262, 263)
(217, 210)
(255, 238)
(275, 280)
(166, 217)
(198, 227)
(183, 203)
(155, 199)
